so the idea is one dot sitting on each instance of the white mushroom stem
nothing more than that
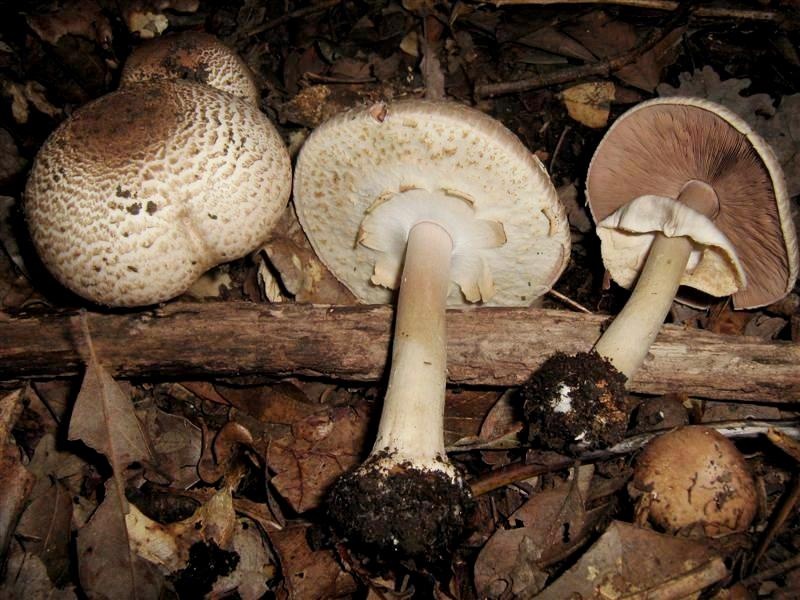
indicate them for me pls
(411, 426)
(627, 340)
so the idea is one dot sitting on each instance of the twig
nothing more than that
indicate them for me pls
(603, 68)
(557, 149)
(783, 513)
(702, 12)
(520, 471)
(569, 301)
(337, 80)
(779, 569)
(654, 4)
(295, 14)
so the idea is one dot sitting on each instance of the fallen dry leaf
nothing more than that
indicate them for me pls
(302, 274)
(256, 565)
(589, 103)
(168, 546)
(282, 402)
(176, 444)
(83, 18)
(11, 163)
(664, 567)
(107, 564)
(465, 413)
(50, 463)
(46, 529)
(104, 419)
(309, 574)
(556, 42)
(321, 447)
(546, 528)
(25, 576)
(16, 483)
(645, 72)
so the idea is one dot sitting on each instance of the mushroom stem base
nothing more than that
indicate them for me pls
(403, 512)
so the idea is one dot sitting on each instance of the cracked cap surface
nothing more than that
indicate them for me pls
(142, 190)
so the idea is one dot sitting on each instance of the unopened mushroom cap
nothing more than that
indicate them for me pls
(653, 151)
(193, 56)
(411, 161)
(142, 190)
(696, 476)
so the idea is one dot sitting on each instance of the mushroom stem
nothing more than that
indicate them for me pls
(627, 340)
(413, 409)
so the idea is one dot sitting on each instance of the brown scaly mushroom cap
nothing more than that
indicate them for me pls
(444, 203)
(139, 192)
(744, 241)
(193, 56)
(696, 476)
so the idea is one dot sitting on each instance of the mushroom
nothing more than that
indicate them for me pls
(139, 192)
(444, 203)
(193, 56)
(695, 476)
(683, 193)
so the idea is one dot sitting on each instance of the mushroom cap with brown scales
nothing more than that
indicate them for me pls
(192, 56)
(737, 216)
(139, 192)
(695, 476)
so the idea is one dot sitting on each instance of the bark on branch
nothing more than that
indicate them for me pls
(486, 346)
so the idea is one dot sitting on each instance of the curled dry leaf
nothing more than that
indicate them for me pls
(255, 567)
(167, 546)
(665, 567)
(83, 18)
(302, 274)
(590, 103)
(320, 449)
(309, 574)
(465, 415)
(218, 456)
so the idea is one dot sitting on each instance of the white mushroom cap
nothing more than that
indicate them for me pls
(652, 153)
(365, 177)
(139, 192)
(193, 56)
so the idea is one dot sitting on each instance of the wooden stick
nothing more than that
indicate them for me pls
(702, 12)
(486, 346)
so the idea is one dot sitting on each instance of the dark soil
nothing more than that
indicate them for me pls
(594, 413)
(406, 513)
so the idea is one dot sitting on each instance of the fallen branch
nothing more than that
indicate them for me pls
(701, 12)
(486, 346)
